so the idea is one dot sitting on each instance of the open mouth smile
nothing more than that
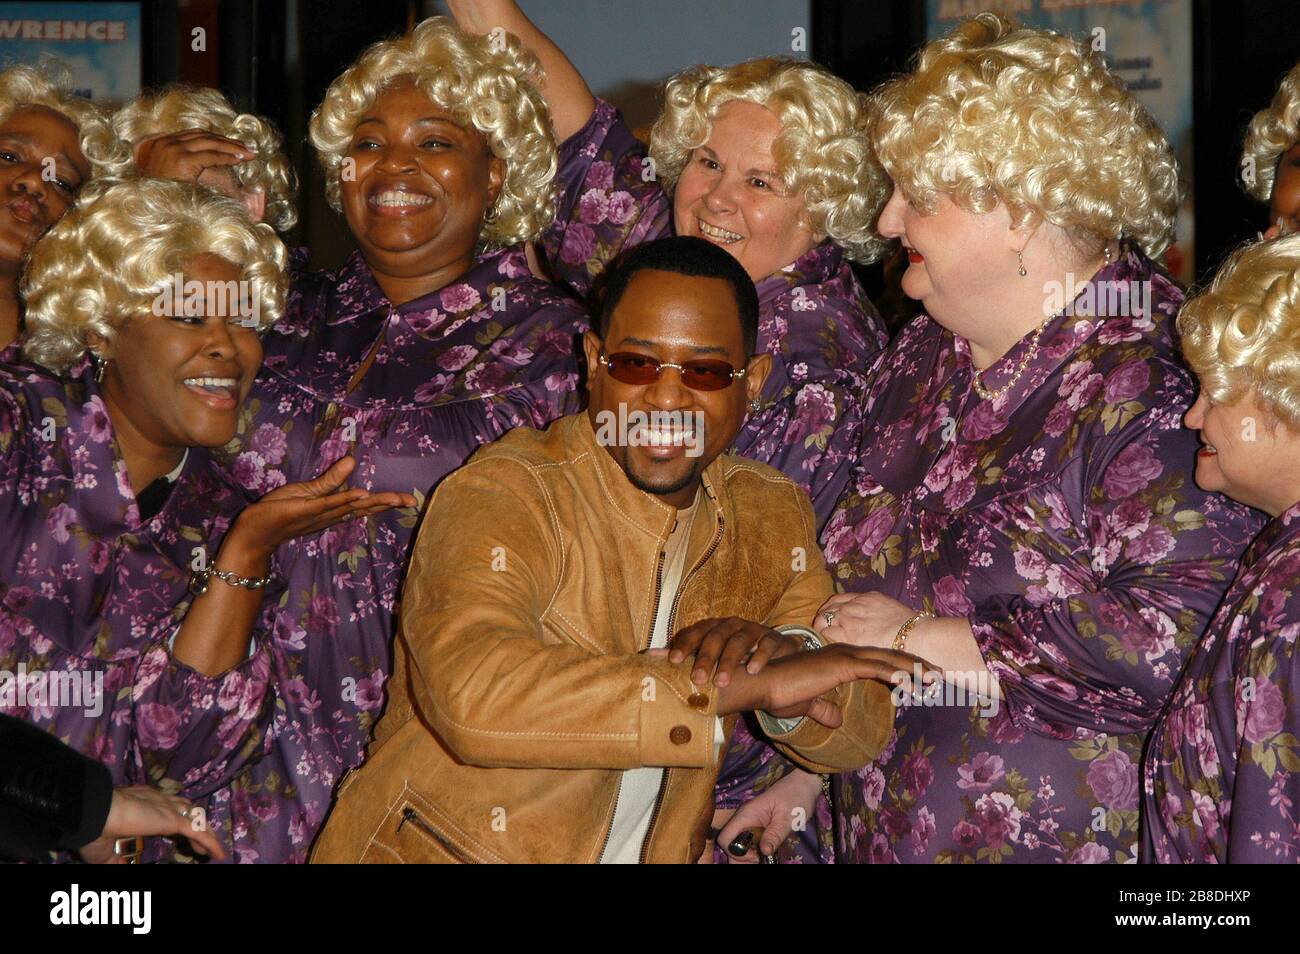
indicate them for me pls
(719, 236)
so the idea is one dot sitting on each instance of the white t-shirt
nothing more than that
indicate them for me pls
(639, 788)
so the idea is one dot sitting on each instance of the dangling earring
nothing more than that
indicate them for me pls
(1108, 253)
(1020, 254)
(100, 363)
(755, 406)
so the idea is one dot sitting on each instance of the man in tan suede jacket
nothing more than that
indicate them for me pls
(535, 713)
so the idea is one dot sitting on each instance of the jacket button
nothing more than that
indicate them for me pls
(698, 700)
(680, 735)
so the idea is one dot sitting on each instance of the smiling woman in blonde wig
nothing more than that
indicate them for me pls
(108, 490)
(1023, 516)
(1222, 770)
(51, 143)
(432, 338)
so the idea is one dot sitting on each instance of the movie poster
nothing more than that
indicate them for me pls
(98, 44)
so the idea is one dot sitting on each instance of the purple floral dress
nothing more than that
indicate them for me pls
(814, 319)
(1061, 519)
(90, 595)
(451, 371)
(1222, 769)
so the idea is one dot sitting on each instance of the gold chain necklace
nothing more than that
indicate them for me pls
(988, 395)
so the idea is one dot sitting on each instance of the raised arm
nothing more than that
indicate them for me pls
(566, 92)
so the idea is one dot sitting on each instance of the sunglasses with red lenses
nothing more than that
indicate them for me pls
(702, 375)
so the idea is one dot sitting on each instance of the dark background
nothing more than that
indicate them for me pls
(1241, 49)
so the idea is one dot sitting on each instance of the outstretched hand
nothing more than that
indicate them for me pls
(310, 506)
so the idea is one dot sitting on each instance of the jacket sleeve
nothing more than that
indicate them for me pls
(51, 796)
(867, 705)
(1096, 646)
(496, 687)
(609, 199)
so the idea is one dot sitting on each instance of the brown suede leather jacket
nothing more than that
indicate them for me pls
(520, 691)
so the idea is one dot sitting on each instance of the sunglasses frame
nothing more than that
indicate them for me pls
(607, 358)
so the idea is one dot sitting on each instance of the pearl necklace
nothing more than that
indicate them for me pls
(988, 395)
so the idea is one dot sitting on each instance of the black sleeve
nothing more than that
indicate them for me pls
(51, 796)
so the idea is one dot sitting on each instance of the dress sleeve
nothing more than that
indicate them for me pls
(193, 733)
(812, 430)
(1098, 646)
(550, 389)
(16, 437)
(608, 199)
(1265, 796)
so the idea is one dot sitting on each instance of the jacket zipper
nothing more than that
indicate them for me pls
(672, 615)
(677, 597)
(409, 814)
(659, 582)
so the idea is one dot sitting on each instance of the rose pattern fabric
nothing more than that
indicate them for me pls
(1061, 519)
(1222, 769)
(90, 595)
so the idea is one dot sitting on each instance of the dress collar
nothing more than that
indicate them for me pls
(355, 286)
(815, 266)
(1123, 286)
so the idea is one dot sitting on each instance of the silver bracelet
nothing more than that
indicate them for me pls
(811, 641)
(200, 578)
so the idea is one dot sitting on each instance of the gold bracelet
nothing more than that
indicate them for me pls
(900, 638)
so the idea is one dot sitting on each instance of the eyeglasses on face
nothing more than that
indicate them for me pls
(641, 369)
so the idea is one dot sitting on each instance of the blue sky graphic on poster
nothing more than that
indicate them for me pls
(1147, 42)
(98, 43)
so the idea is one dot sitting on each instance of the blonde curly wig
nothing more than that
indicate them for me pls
(489, 82)
(823, 152)
(107, 259)
(22, 86)
(1243, 331)
(996, 113)
(1272, 133)
(177, 108)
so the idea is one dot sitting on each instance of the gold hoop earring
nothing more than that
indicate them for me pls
(490, 215)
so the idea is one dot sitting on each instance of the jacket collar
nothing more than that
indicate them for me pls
(630, 506)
